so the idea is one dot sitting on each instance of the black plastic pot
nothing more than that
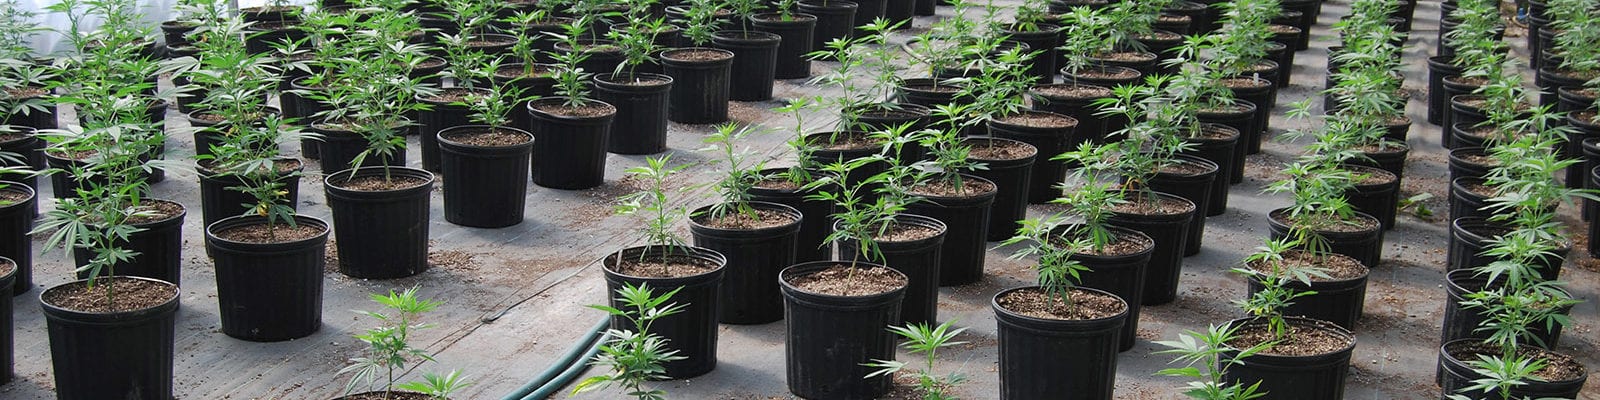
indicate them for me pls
(603, 56)
(1241, 118)
(1195, 187)
(569, 152)
(340, 146)
(640, 125)
(16, 220)
(1465, 202)
(693, 331)
(1145, 62)
(1391, 159)
(1315, 377)
(7, 323)
(1260, 95)
(868, 11)
(1122, 275)
(1050, 141)
(1284, 57)
(885, 117)
(1461, 322)
(1170, 232)
(755, 61)
(1469, 237)
(926, 92)
(824, 154)
(1218, 150)
(31, 148)
(159, 245)
(484, 187)
(1579, 131)
(795, 42)
(835, 20)
(117, 355)
(1035, 352)
(1164, 44)
(1091, 127)
(442, 114)
(814, 225)
(1044, 38)
(1591, 160)
(1570, 100)
(918, 260)
(36, 119)
(380, 234)
(217, 201)
(268, 292)
(1462, 165)
(1456, 374)
(262, 37)
(1379, 199)
(700, 87)
(754, 256)
(1337, 301)
(966, 240)
(1550, 79)
(1452, 88)
(900, 11)
(829, 339)
(1011, 178)
(1463, 114)
(1365, 246)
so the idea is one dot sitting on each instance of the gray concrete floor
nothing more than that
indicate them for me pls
(515, 296)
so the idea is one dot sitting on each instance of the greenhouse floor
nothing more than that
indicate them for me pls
(514, 296)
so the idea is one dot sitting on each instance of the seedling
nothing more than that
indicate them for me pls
(390, 351)
(739, 177)
(653, 206)
(1206, 357)
(571, 79)
(634, 356)
(1276, 295)
(924, 339)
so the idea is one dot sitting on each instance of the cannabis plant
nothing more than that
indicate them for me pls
(740, 176)
(1206, 357)
(652, 204)
(1276, 294)
(389, 350)
(571, 80)
(869, 55)
(634, 356)
(926, 340)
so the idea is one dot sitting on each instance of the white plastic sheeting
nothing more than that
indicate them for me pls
(154, 12)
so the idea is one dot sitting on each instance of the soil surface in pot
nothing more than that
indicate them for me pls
(1074, 91)
(261, 233)
(637, 81)
(454, 94)
(1124, 56)
(934, 87)
(6, 266)
(518, 71)
(9, 196)
(1329, 223)
(155, 210)
(378, 183)
(847, 141)
(945, 188)
(1210, 131)
(737, 220)
(1558, 367)
(1337, 267)
(1184, 169)
(1086, 305)
(696, 55)
(387, 396)
(1039, 120)
(665, 266)
(1109, 74)
(283, 166)
(1145, 205)
(1300, 341)
(999, 150)
(777, 184)
(839, 280)
(488, 137)
(1123, 245)
(131, 294)
(586, 110)
(899, 232)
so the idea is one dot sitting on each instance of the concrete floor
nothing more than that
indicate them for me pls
(515, 295)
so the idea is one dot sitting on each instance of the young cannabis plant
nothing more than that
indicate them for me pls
(653, 205)
(1206, 357)
(634, 356)
(740, 177)
(389, 344)
(926, 340)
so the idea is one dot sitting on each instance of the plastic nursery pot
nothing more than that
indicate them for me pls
(159, 244)
(829, 338)
(1165, 219)
(485, 176)
(1580, 132)
(1164, 45)
(1312, 377)
(604, 55)
(1045, 37)
(1259, 93)
(1146, 63)
(1453, 86)
(692, 332)
(1570, 100)
(1593, 207)
(112, 355)
(794, 42)
(755, 256)
(814, 225)
(966, 215)
(1105, 77)
(917, 258)
(1076, 101)
(1461, 322)
(1217, 143)
(46, 119)
(569, 150)
(1387, 158)
(340, 146)
(835, 20)
(832, 147)
(1363, 243)
(381, 231)
(868, 11)
(444, 112)
(1456, 374)
(1035, 352)
(1122, 275)
(16, 220)
(1468, 197)
(755, 62)
(927, 92)
(207, 132)
(1377, 195)
(899, 11)
(1284, 57)
(1591, 160)
(1190, 178)
(8, 276)
(1338, 300)
(701, 83)
(65, 184)
(640, 126)
(1550, 79)
(1438, 102)
(1469, 237)
(268, 290)
(884, 117)
(1470, 162)
(218, 202)
(1048, 132)
(1010, 164)
(21, 140)
(1242, 117)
